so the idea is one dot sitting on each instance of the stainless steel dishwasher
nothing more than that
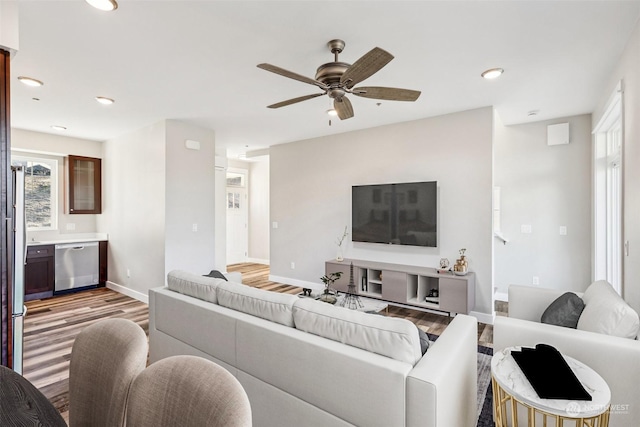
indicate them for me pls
(77, 265)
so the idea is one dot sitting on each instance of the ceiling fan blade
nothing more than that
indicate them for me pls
(294, 100)
(388, 93)
(369, 64)
(291, 75)
(343, 108)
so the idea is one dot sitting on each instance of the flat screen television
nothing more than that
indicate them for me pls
(402, 214)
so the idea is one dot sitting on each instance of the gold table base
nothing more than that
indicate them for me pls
(504, 405)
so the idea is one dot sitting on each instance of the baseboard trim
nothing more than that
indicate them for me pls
(128, 292)
(259, 261)
(483, 317)
(296, 282)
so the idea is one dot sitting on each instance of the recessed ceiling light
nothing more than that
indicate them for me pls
(332, 112)
(106, 5)
(30, 81)
(492, 73)
(105, 101)
(58, 128)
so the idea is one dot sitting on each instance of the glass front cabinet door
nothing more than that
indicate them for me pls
(85, 185)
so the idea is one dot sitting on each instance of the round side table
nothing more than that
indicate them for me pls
(515, 400)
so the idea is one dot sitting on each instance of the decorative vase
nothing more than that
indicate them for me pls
(339, 256)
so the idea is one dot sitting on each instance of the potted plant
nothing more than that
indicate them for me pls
(329, 295)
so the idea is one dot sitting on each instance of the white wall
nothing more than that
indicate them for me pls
(134, 170)
(259, 211)
(154, 191)
(9, 23)
(311, 181)
(628, 70)
(190, 199)
(57, 147)
(545, 187)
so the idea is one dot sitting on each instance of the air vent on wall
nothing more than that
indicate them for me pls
(558, 134)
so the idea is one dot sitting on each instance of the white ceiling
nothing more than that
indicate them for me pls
(196, 61)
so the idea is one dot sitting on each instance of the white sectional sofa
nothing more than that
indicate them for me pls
(307, 363)
(615, 358)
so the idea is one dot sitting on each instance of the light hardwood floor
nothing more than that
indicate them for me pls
(52, 324)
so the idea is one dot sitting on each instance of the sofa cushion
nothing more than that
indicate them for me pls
(194, 285)
(564, 311)
(607, 313)
(387, 336)
(272, 306)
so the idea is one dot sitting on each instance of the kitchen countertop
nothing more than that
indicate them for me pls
(69, 239)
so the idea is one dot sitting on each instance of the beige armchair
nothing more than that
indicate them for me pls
(187, 391)
(105, 359)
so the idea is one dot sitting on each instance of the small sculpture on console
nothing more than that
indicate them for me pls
(351, 299)
(461, 266)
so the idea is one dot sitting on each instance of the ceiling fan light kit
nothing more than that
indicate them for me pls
(337, 79)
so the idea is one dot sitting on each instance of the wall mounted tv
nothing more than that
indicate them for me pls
(402, 214)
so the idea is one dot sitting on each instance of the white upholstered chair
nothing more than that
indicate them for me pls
(187, 391)
(105, 359)
(614, 358)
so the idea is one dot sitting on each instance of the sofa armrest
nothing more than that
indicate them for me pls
(614, 358)
(446, 377)
(528, 302)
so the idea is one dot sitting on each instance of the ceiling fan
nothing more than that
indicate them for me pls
(337, 79)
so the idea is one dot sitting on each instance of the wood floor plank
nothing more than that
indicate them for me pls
(52, 324)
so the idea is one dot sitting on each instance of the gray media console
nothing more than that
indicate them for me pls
(421, 287)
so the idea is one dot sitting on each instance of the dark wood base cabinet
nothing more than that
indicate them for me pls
(103, 264)
(40, 271)
(39, 275)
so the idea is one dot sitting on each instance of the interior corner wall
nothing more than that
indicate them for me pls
(259, 211)
(190, 199)
(628, 70)
(310, 191)
(133, 197)
(545, 187)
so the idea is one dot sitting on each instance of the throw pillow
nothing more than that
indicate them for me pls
(216, 274)
(424, 341)
(605, 312)
(564, 311)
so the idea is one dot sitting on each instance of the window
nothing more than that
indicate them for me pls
(608, 201)
(235, 179)
(233, 200)
(41, 184)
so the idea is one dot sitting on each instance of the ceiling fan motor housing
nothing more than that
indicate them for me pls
(331, 72)
(330, 75)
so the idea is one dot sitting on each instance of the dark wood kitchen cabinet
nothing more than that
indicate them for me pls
(85, 185)
(39, 272)
(103, 273)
